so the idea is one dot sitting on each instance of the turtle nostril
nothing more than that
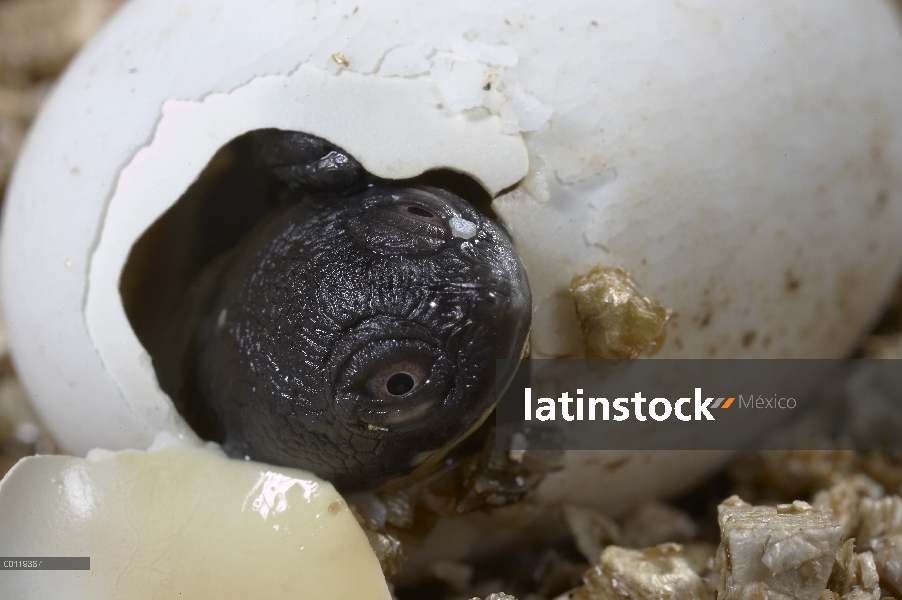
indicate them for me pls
(399, 384)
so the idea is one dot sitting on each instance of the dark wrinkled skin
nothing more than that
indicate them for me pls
(354, 335)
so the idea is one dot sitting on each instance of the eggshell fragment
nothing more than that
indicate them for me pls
(181, 521)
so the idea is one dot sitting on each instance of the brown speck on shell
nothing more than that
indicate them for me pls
(340, 59)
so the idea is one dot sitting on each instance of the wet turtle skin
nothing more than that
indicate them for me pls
(354, 334)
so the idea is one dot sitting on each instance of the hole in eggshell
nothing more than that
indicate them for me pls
(230, 197)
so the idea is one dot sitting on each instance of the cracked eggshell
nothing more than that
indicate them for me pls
(182, 521)
(741, 160)
(743, 163)
(122, 138)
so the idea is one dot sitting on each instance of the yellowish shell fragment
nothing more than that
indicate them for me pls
(649, 574)
(617, 321)
(181, 521)
(784, 551)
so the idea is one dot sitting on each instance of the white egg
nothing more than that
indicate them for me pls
(742, 160)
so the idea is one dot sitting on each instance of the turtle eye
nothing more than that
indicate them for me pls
(400, 377)
(400, 383)
(420, 213)
(392, 381)
(409, 221)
